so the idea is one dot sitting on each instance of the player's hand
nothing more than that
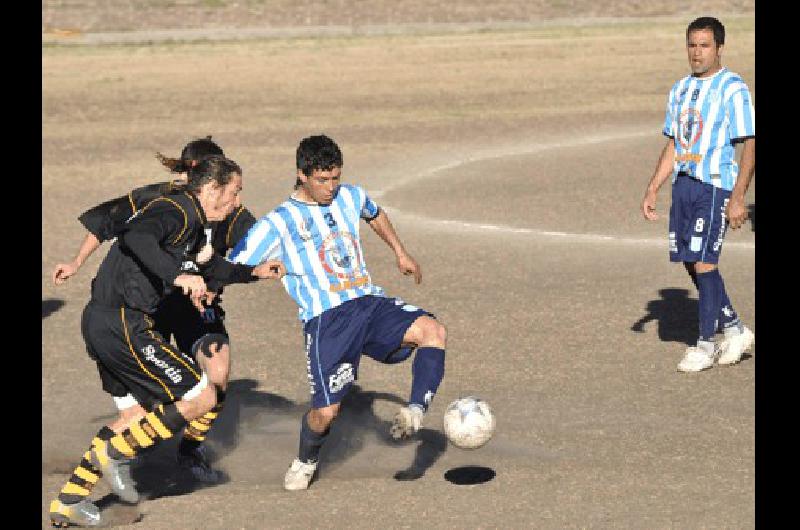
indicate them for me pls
(736, 212)
(63, 272)
(408, 266)
(649, 206)
(191, 284)
(272, 269)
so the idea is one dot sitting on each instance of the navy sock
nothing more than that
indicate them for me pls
(427, 372)
(709, 306)
(310, 441)
(727, 314)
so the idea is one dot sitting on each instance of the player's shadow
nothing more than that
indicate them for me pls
(675, 314)
(50, 306)
(357, 421)
(157, 473)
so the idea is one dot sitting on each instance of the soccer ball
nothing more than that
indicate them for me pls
(468, 422)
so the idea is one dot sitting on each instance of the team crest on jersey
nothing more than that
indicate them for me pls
(690, 126)
(304, 231)
(339, 255)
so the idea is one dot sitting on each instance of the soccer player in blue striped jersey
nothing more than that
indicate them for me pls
(708, 112)
(344, 314)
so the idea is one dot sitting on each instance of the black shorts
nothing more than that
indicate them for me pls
(177, 317)
(133, 358)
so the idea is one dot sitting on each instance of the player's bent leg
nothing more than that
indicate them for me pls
(212, 352)
(315, 427)
(427, 372)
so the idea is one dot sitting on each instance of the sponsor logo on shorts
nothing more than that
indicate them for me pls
(673, 242)
(696, 244)
(344, 375)
(170, 371)
(308, 364)
(718, 243)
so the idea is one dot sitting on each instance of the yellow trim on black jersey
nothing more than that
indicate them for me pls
(185, 217)
(128, 338)
(192, 199)
(230, 227)
(133, 204)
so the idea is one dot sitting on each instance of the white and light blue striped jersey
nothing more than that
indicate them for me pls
(704, 116)
(320, 246)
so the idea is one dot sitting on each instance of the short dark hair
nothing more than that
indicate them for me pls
(191, 153)
(317, 152)
(211, 168)
(708, 23)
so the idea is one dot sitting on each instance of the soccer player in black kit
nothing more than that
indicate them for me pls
(176, 316)
(162, 248)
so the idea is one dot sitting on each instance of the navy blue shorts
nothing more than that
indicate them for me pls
(335, 340)
(697, 221)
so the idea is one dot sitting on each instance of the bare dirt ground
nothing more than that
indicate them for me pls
(512, 164)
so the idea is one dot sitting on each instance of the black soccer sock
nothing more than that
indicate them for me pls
(196, 431)
(310, 441)
(85, 476)
(157, 425)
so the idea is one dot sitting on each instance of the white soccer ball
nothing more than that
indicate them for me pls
(469, 422)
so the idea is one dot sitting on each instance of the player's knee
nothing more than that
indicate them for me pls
(434, 334)
(320, 419)
(701, 268)
(198, 404)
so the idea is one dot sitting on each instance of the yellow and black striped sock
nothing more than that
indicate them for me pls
(85, 476)
(157, 425)
(197, 429)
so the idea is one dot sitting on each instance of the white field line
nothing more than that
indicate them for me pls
(553, 234)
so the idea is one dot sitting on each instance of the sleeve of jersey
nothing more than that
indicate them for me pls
(669, 120)
(243, 222)
(259, 244)
(741, 114)
(105, 220)
(144, 236)
(369, 210)
(219, 272)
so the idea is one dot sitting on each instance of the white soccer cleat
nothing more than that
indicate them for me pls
(407, 421)
(299, 475)
(732, 348)
(695, 360)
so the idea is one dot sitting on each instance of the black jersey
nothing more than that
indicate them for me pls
(153, 247)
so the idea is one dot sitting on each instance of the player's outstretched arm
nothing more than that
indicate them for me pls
(407, 265)
(736, 212)
(661, 174)
(64, 271)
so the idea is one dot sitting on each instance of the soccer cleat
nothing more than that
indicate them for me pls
(299, 475)
(732, 348)
(196, 461)
(695, 360)
(82, 513)
(407, 421)
(117, 473)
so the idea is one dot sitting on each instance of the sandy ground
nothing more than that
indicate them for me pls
(512, 164)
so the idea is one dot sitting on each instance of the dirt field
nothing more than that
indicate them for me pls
(512, 164)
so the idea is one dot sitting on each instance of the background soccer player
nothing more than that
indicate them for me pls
(316, 233)
(708, 112)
